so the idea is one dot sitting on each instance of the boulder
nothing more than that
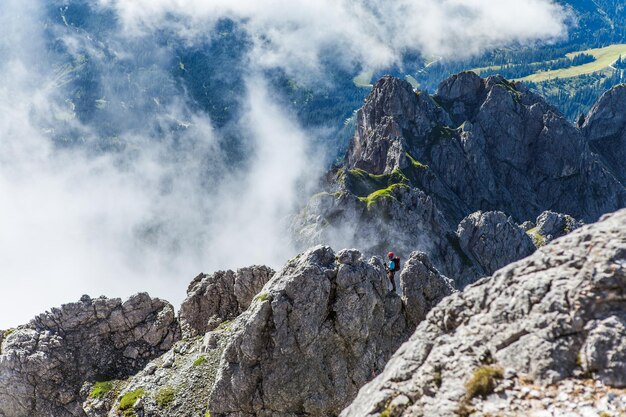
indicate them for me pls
(223, 295)
(493, 240)
(422, 286)
(552, 225)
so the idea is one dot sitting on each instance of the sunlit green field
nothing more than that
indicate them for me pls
(605, 57)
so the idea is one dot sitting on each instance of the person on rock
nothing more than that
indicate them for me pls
(392, 267)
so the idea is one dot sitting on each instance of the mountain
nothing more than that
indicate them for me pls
(570, 73)
(153, 84)
(324, 326)
(324, 335)
(418, 165)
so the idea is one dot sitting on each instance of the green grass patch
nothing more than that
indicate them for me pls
(165, 396)
(361, 183)
(537, 237)
(384, 194)
(226, 326)
(414, 163)
(437, 378)
(207, 414)
(128, 400)
(101, 388)
(262, 296)
(483, 381)
(200, 361)
(7, 332)
(604, 58)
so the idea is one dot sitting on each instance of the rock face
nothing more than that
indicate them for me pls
(418, 165)
(516, 153)
(212, 299)
(390, 111)
(492, 240)
(551, 316)
(605, 129)
(44, 363)
(551, 226)
(320, 329)
(423, 287)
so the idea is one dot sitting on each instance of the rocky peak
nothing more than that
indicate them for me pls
(390, 111)
(605, 129)
(320, 328)
(466, 87)
(516, 153)
(418, 165)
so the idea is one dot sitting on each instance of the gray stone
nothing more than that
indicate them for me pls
(552, 225)
(605, 129)
(44, 364)
(223, 295)
(492, 240)
(348, 256)
(544, 316)
(604, 351)
(320, 330)
(422, 286)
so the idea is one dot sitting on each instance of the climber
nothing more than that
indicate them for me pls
(392, 268)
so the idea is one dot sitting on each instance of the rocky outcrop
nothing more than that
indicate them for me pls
(422, 287)
(223, 295)
(493, 240)
(517, 154)
(44, 364)
(551, 316)
(320, 329)
(391, 110)
(551, 226)
(605, 129)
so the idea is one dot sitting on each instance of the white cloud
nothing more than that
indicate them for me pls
(297, 34)
(148, 218)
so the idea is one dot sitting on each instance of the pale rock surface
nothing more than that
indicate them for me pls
(551, 316)
(320, 329)
(492, 240)
(223, 295)
(422, 287)
(44, 364)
